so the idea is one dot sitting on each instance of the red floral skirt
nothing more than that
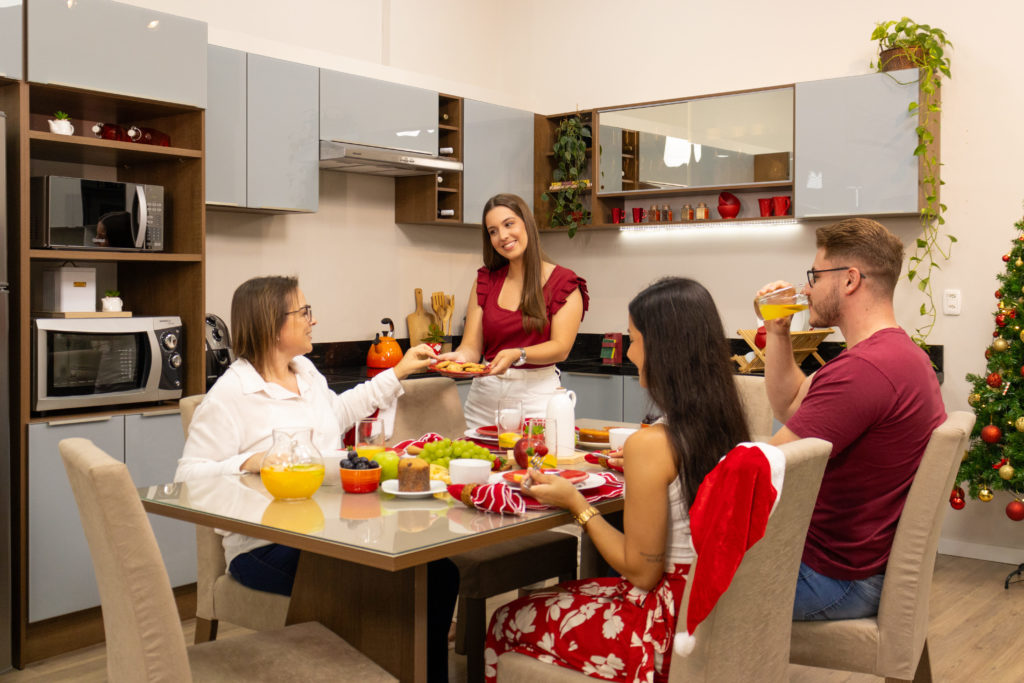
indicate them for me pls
(606, 628)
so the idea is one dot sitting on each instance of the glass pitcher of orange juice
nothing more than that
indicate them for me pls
(292, 469)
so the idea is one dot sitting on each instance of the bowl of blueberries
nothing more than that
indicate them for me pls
(359, 474)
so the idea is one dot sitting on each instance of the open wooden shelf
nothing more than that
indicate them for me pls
(420, 199)
(687, 191)
(83, 150)
(92, 255)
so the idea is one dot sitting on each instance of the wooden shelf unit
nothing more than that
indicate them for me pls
(420, 199)
(544, 166)
(170, 282)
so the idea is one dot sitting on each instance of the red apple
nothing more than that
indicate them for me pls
(527, 447)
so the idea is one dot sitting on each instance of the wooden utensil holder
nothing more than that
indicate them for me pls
(804, 344)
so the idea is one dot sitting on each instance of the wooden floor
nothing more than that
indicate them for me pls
(976, 633)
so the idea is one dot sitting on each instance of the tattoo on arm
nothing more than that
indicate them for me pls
(653, 557)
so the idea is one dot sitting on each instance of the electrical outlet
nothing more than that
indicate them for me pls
(951, 302)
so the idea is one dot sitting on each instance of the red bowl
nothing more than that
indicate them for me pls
(728, 210)
(728, 198)
(360, 481)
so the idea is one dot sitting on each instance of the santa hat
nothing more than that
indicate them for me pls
(728, 516)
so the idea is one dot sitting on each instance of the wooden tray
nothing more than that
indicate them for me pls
(804, 344)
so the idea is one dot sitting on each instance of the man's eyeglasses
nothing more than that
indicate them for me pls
(812, 274)
(307, 312)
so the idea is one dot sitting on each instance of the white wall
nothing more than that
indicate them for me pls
(357, 265)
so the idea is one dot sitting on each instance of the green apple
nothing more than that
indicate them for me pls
(388, 465)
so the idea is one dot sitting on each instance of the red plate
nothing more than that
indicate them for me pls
(574, 476)
(457, 373)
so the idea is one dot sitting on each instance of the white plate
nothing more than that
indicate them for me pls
(391, 486)
(592, 481)
(473, 434)
(596, 445)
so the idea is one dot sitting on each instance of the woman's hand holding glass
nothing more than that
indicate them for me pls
(417, 358)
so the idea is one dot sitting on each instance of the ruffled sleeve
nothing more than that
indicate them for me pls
(483, 285)
(567, 282)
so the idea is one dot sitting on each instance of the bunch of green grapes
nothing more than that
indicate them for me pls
(444, 451)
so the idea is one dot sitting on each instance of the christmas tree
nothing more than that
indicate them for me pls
(995, 459)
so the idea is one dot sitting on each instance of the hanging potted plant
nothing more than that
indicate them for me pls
(570, 187)
(904, 44)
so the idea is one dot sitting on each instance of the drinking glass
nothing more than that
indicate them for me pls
(544, 432)
(781, 303)
(509, 416)
(369, 438)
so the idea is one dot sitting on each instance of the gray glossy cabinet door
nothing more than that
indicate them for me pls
(636, 403)
(117, 48)
(60, 573)
(367, 111)
(152, 445)
(597, 396)
(225, 126)
(282, 150)
(855, 142)
(497, 145)
(10, 40)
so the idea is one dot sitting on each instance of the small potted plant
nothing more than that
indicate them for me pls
(61, 124)
(112, 302)
(435, 339)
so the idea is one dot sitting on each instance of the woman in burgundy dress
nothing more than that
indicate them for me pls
(522, 318)
(621, 629)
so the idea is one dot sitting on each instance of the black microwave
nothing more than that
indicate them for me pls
(75, 213)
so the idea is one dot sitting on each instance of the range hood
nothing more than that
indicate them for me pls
(349, 158)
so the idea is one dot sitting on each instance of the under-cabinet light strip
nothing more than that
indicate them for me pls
(716, 227)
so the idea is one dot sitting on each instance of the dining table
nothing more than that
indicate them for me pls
(363, 567)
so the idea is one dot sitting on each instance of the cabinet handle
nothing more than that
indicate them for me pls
(79, 420)
(209, 201)
(160, 413)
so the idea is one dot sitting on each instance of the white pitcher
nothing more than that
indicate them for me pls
(561, 408)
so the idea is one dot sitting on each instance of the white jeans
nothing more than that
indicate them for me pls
(533, 387)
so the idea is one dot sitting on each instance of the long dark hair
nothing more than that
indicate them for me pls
(689, 376)
(531, 304)
(258, 310)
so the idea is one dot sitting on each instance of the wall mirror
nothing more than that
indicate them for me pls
(725, 140)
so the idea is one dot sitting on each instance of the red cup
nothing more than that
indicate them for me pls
(780, 205)
(617, 215)
(766, 206)
(638, 214)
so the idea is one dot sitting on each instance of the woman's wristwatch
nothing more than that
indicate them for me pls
(522, 358)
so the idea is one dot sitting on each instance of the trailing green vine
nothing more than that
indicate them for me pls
(569, 187)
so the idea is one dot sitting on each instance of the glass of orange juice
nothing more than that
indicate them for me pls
(369, 437)
(781, 303)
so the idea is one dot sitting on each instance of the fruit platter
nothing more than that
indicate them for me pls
(450, 368)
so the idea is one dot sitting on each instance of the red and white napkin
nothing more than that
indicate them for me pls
(502, 498)
(420, 442)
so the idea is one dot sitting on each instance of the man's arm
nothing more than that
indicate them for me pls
(785, 383)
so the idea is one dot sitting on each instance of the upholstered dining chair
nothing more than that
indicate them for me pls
(894, 643)
(746, 636)
(144, 638)
(218, 595)
(433, 405)
(756, 408)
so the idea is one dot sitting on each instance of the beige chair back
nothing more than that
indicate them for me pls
(431, 404)
(756, 408)
(891, 644)
(188, 407)
(746, 636)
(144, 637)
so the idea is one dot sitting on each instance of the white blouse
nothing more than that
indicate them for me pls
(678, 549)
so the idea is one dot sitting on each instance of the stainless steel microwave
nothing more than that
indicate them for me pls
(92, 362)
(75, 213)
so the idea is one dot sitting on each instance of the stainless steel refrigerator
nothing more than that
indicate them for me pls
(6, 559)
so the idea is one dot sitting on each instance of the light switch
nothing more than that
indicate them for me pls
(951, 302)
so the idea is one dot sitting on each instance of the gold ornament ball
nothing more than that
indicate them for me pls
(1022, 336)
(1000, 344)
(985, 494)
(1006, 471)
(1019, 424)
(964, 458)
(974, 400)
(1018, 263)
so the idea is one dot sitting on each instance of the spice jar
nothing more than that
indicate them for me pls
(654, 214)
(686, 213)
(666, 213)
(701, 212)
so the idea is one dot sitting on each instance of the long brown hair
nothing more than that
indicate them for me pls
(531, 304)
(689, 376)
(258, 310)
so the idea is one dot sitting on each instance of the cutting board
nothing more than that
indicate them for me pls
(419, 320)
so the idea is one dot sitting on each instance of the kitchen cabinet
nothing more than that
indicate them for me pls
(117, 48)
(282, 136)
(854, 146)
(611, 159)
(636, 402)
(498, 155)
(60, 572)
(367, 111)
(436, 199)
(10, 40)
(225, 126)
(597, 396)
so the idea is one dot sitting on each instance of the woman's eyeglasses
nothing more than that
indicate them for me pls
(306, 311)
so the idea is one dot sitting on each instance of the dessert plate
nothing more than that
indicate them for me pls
(391, 486)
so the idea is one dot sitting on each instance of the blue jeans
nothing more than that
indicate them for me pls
(268, 568)
(820, 597)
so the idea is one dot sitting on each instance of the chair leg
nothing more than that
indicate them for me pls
(924, 669)
(206, 630)
(475, 638)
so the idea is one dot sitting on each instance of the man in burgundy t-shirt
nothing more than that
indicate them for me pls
(877, 403)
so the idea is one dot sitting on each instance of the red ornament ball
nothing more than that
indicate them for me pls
(1022, 371)
(995, 333)
(958, 503)
(760, 337)
(994, 380)
(1013, 313)
(1015, 510)
(1006, 258)
(999, 294)
(991, 434)
(1001, 320)
(988, 355)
